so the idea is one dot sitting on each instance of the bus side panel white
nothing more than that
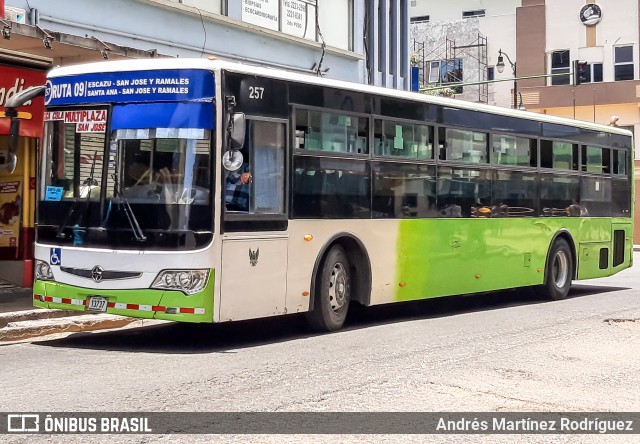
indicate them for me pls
(378, 237)
(254, 277)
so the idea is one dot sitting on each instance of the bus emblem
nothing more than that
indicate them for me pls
(253, 257)
(96, 273)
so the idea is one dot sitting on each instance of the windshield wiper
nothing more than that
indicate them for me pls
(135, 226)
(88, 183)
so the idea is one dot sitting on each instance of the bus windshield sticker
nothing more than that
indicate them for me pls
(87, 121)
(398, 142)
(53, 193)
(55, 256)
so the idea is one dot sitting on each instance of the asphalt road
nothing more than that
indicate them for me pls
(498, 352)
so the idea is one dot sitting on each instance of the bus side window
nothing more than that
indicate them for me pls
(268, 167)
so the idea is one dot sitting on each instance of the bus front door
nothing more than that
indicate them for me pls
(254, 262)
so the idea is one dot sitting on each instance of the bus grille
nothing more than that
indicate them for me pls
(107, 275)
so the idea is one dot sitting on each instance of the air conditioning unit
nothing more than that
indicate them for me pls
(17, 15)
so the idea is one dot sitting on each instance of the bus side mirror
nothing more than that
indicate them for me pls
(233, 159)
(236, 132)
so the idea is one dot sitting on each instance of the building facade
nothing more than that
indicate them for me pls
(466, 35)
(551, 45)
(363, 41)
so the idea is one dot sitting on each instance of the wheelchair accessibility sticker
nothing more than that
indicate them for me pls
(55, 256)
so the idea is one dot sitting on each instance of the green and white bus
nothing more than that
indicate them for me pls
(357, 194)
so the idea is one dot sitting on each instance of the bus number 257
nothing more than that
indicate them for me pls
(256, 92)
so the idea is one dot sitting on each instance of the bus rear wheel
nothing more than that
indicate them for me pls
(332, 292)
(559, 271)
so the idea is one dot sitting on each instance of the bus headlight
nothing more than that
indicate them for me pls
(187, 281)
(43, 271)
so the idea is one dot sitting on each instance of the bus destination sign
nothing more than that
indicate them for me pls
(126, 87)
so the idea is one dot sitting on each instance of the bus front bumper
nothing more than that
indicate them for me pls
(137, 303)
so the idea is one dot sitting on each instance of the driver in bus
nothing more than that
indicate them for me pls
(237, 189)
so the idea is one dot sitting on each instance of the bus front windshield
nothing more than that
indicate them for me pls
(145, 188)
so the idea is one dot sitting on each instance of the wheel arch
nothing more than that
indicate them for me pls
(563, 234)
(359, 264)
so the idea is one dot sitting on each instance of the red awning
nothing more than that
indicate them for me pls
(12, 81)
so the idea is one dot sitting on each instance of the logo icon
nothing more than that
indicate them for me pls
(253, 257)
(55, 256)
(23, 423)
(96, 273)
(590, 14)
(48, 92)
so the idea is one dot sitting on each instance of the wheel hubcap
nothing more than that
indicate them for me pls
(338, 287)
(561, 269)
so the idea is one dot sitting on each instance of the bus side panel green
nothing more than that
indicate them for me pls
(39, 288)
(589, 260)
(627, 226)
(440, 257)
(178, 299)
(590, 249)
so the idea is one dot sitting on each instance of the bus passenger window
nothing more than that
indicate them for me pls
(619, 162)
(558, 155)
(511, 150)
(399, 139)
(461, 192)
(332, 132)
(328, 188)
(593, 159)
(466, 146)
(560, 196)
(404, 190)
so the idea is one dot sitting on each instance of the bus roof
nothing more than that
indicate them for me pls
(276, 73)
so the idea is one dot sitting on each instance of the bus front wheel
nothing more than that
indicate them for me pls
(559, 271)
(332, 292)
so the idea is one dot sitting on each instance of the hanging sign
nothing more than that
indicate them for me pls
(261, 13)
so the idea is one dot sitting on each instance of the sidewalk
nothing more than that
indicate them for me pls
(14, 298)
(19, 319)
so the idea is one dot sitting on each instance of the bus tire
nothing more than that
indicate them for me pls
(332, 292)
(559, 271)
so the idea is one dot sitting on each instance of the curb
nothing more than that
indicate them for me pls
(25, 329)
(35, 314)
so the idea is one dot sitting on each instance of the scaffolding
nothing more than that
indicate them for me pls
(449, 63)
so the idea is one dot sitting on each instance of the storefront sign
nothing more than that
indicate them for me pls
(127, 87)
(261, 13)
(10, 208)
(298, 18)
(293, 17)
(12, 81)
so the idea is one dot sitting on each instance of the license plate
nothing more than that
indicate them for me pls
(97, 303)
